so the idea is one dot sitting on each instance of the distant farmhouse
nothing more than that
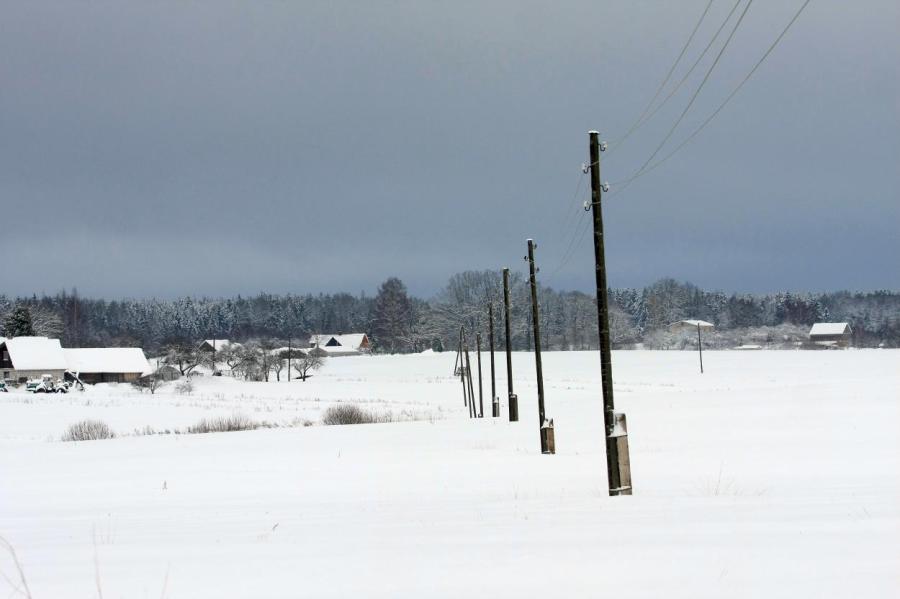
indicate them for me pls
(352, 344)
(214, 345)
(24, 358)
(830, 334)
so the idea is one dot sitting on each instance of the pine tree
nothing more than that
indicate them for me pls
(18, 323)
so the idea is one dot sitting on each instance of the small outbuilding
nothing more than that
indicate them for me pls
(830, 334)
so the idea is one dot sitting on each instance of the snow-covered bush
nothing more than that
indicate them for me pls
(88, 430)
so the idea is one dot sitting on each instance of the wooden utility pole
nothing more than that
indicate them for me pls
(700, 347)
(290, 355)
(618, 467)
(546, 428)
(472, 412)
(513, 400)
(462, 367)
(495, 401)
(480, 388)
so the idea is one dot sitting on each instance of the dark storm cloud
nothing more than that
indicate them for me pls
(217, 148)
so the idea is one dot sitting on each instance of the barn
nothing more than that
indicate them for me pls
(107, 364)
(830, 334)
(25, 358)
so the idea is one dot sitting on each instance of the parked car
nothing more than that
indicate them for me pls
(3, 388)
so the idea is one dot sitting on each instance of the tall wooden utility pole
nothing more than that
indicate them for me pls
(290, 355)
(480, 388)
(513, 400)
(462, 367)
(546, 428)
(472, 412)
(618, 467)
(495, 401)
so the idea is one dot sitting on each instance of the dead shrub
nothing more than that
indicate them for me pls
(88, 430)
(224, 424)
(353, 414)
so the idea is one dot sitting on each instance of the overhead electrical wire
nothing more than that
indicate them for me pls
(687, 108)
(637, 123)
(581, 228)
(691, 70)
(721, 106)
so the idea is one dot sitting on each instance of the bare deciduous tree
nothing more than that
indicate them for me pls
(306, 364)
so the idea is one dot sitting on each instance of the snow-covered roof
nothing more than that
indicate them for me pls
(35, 353)
(349, 340)
(829, 328)
(107, 359)
(693, 323)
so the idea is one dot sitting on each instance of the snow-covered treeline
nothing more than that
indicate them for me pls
(398, 322)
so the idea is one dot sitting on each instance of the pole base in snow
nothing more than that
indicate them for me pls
(548, 438)
(617, 445)
(513, 407)
(495, 409)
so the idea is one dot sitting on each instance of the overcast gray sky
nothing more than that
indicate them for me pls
(216, 148)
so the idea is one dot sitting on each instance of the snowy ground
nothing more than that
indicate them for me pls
(774, 474)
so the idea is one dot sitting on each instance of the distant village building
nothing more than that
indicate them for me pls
(351, 344)
(690, 326)
(830, 334)
(214, 345)
(107, 364)
(25, 358)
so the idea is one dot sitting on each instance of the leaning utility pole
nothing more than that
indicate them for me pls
(618, 467)
(548, 444)
(472, 412)
(495, 401)
(513, 399)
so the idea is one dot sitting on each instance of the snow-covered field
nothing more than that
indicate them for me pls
(774, 474)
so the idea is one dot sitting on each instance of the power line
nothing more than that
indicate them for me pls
(662, 85)
(724, 102)
(568, 218)
(693, 67)
(684, 112)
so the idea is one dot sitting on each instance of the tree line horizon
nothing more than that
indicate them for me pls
(398, 322)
